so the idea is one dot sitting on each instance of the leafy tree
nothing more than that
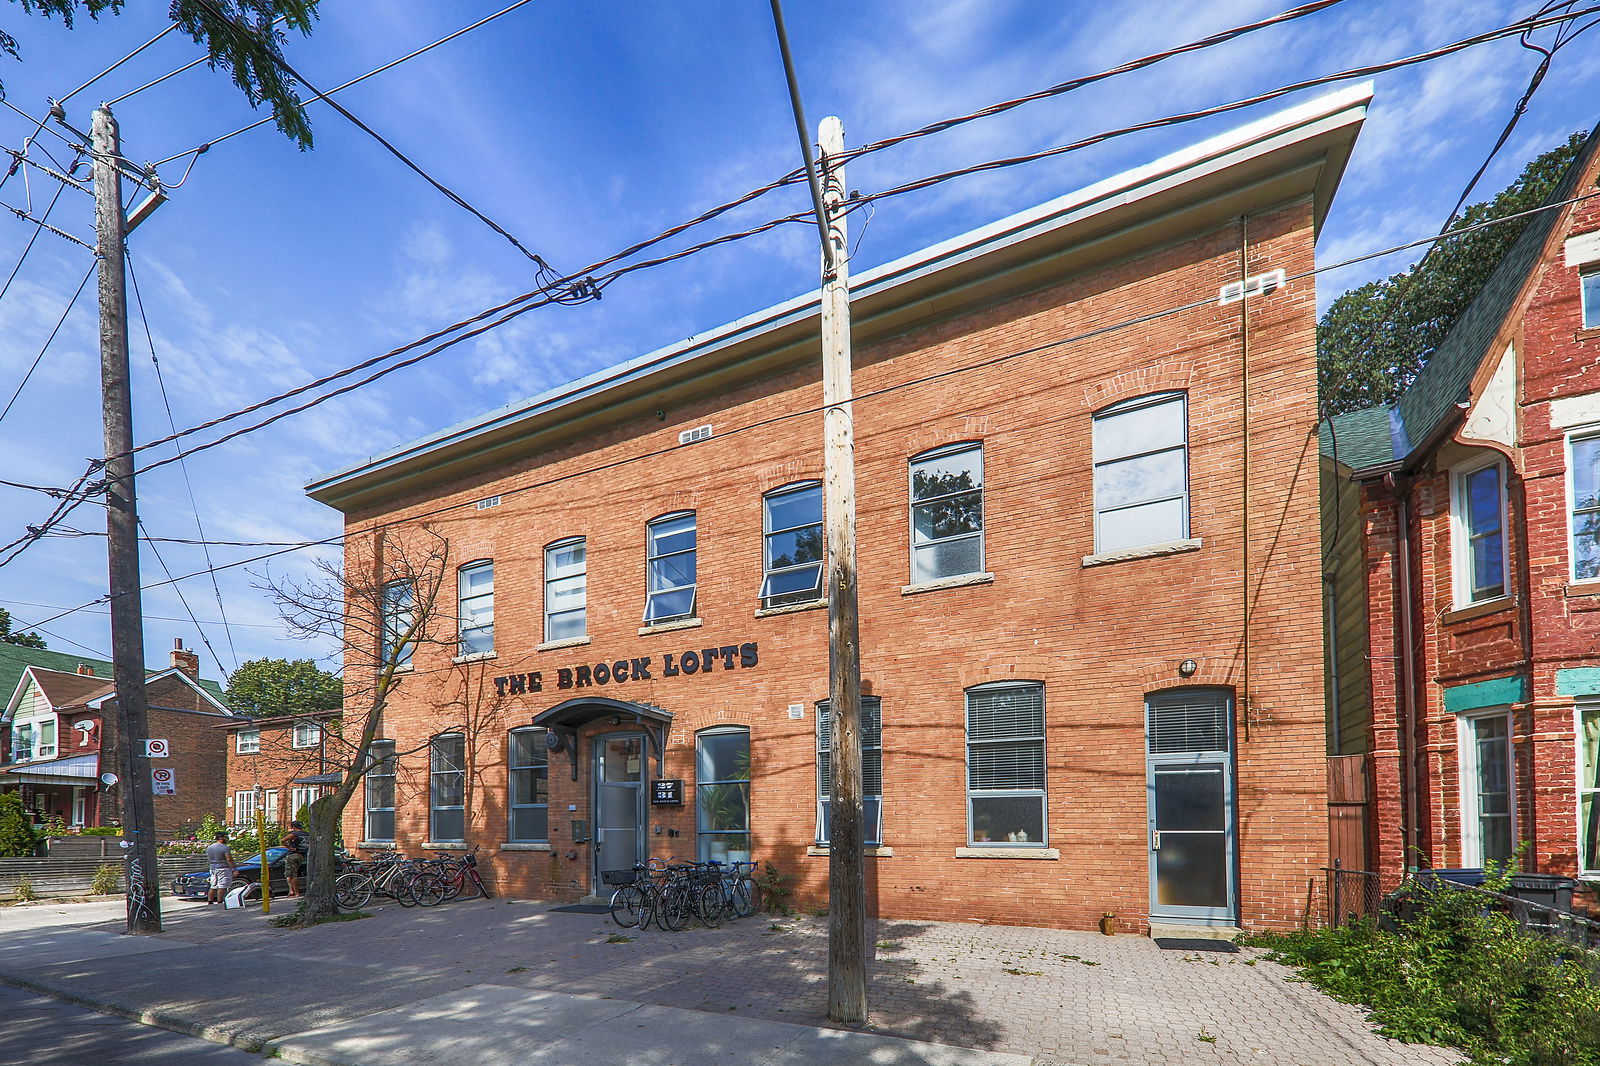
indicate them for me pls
(1374, 339)
(25, 640)
(16, 831)
(242, 35)
(265, 688)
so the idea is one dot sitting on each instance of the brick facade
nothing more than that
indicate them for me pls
(278, 766)
(1099, 634)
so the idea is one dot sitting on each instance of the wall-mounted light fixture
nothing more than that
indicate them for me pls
(1188, 667)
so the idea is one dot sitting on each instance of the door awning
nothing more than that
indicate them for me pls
(566, 718)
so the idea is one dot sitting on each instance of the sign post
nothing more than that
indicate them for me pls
(261, 838)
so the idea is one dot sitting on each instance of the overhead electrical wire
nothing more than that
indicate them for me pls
(46, 346)
(170, 27)
(152, 617)
(1209, 299)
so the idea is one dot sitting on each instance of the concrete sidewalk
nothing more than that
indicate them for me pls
(360, 1013)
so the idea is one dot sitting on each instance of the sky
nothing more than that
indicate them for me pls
(581, 128)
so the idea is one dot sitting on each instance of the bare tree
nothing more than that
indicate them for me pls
(378, 607)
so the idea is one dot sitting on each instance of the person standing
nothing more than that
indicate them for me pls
(220, 858)
(294, 863)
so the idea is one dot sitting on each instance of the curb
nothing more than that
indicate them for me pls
(210, 1033)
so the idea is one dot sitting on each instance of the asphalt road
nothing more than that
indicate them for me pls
(40, 1031)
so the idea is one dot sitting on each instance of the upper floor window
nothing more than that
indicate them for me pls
(528, 780)
(792, 545)
(22, 742)
(947, 513)
(247, 741)
(871, 769)
(670, 568)
(1591, 296)
(1141, 472)
(722, 793)
(1480, 540)
(475, 588)
(566, 590)
(447, 787)
(1005, 764)
(307, 734)
(380, 790)
(398, 611)
(1585, 524)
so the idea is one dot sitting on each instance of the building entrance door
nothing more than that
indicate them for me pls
(1191, 845)
(618, 803)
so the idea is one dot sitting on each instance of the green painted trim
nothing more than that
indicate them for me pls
(1578, 681)
(1495, 692)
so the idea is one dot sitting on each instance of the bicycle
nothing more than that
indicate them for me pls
(456, 873)
(633, 904)
(387, 877)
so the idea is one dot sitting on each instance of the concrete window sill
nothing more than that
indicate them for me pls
(377, 845)
(1008, 853)
(871, 852)
(960, 581)
(444, 845)
(1478, 610)
(524, 847)
(475, 657)
(672, 627)
(791, 608)
(565, 642)
(1144, 551)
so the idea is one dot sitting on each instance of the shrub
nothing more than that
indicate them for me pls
(24, 890)
(106, 880)
(101, 831)
(17, 839)
(1460, 974)
(776, 888)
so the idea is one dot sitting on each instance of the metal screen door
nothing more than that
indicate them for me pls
(618, 803)
(1189, 781)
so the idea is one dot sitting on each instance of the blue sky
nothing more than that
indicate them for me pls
(581, 128)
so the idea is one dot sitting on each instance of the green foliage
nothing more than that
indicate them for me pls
(100, 831)
(238, 34)
(17, 839)
(1373, 340)
(24, 893)
(22, 640)
(266, 688)
(776, 888)
(1460, 975)
(106, 880)
(210, 826)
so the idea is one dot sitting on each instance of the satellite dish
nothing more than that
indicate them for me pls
(108, 778)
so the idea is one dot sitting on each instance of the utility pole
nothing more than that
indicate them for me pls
(847, 894)
(122, 532)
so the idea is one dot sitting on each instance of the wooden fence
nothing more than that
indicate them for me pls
(56, 876)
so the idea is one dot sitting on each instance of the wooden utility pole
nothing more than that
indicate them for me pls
(847, 894)
(122, 533)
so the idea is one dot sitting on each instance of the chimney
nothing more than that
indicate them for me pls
(185, 660)
(85, 669)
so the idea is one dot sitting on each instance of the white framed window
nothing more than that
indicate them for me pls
(947, 512)
(1583, 493)
(22, 738)
(871, 769)
(447, 787)
(528, 784)
(269, 800)
(1006, 765)
(300, 798)
(1488, 788)
(566, 589)
(722, 793)
(244, 807)
(399, 610)
(307, 734)
(1589, 288)
(791, 545)
(380, 790)
(475, 597)
(1478, 506)
(1141, 472)
(1588, 715)
(247, 741)
(670, 568)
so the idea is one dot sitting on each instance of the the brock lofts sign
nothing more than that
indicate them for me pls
(644, 668)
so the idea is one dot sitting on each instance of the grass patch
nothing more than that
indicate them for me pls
(619, 938)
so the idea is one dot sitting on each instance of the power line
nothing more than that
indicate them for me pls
(118, 63)
(46, 347)
(190, 610)
(154, 617)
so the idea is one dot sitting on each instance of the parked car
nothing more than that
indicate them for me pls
(193, 887)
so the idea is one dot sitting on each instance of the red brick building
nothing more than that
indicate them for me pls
(1094, 678)
(60, 738)
(1472, 530)
(280, 765)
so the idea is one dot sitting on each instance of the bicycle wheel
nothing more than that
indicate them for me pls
(708, 904)
(351, 892)
(630, 907)
(675, 909)
(453, 880)
(427, 889)
(744, 898)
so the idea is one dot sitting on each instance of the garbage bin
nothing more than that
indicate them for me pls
(1545, 890)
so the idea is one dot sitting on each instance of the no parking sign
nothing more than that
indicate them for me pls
(162, 782)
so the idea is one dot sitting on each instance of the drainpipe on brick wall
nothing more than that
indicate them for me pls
(1409, 831)
(1244, 480)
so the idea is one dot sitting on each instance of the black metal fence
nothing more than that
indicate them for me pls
(1354, 894)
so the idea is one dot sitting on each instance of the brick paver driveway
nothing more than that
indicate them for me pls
(1064, 997)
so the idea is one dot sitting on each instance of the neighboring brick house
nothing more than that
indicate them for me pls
(1470, 542)
(59, 739)
(1052, 555)
(281, 764)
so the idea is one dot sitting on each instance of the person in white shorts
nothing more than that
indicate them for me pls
(220, 858)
